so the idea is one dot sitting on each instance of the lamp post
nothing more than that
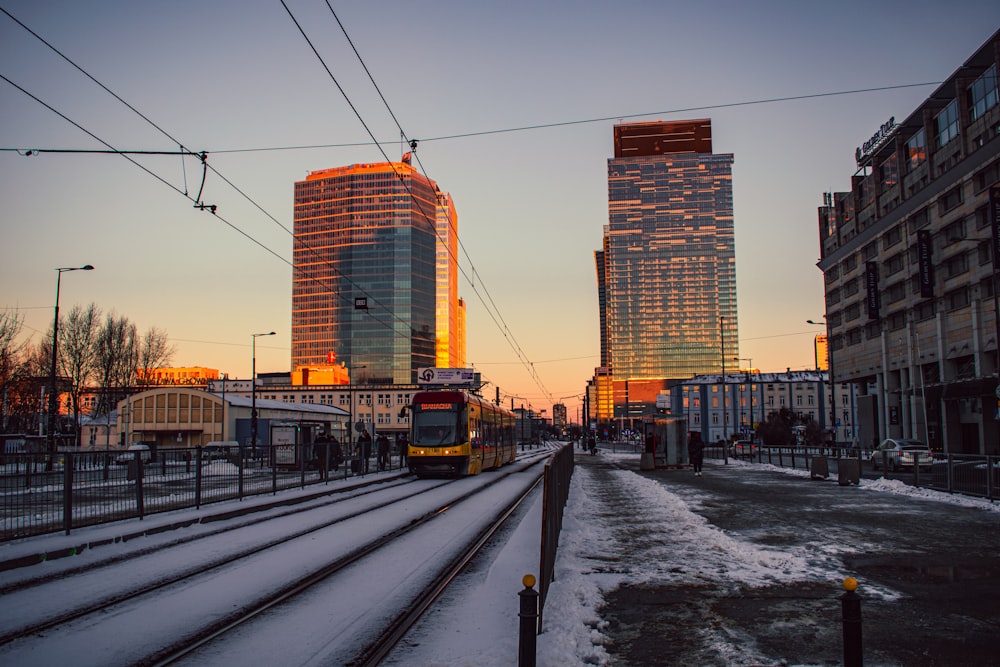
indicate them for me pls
(829, 370)
(746, 374)
(51, 434)
(253, 387)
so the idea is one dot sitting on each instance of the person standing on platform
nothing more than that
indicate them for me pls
(696, 452)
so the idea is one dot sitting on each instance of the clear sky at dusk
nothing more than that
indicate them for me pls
(226, 77)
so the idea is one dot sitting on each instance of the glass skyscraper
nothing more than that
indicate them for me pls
(365, 271)
(667, 270)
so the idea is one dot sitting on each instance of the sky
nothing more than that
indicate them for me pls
(475, 623)
(466, 80)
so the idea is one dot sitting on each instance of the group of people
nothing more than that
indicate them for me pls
(383, 450)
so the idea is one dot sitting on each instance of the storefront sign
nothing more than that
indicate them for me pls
(884, 132)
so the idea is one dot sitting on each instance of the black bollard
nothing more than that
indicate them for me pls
(851, 614)
(529, 621)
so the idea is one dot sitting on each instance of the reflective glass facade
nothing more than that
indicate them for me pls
(668, 267)
(366, 231)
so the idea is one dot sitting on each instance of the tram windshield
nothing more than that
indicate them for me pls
(435, 428)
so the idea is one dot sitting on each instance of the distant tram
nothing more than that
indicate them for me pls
(454, 433)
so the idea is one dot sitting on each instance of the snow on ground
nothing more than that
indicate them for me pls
(478, 625)
(572, 631)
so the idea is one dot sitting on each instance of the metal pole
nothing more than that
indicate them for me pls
(51, 433)
(725, 430)
(253, 388)
(851, 617)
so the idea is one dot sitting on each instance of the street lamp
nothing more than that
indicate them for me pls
(253, 388)
(829, 370)
(51, 435)
(746, 374)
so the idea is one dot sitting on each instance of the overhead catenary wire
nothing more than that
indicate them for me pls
(438, 138)
(494, 314)
(183, 151)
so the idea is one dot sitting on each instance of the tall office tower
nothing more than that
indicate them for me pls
(364, 278)
(667, 271)
(450, 311)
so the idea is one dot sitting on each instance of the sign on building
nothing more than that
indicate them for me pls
(445, 375)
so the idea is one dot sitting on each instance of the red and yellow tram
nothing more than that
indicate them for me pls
(456, 433)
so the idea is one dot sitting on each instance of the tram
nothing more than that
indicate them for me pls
(455, 433)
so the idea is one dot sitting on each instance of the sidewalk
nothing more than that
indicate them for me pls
(744, 566)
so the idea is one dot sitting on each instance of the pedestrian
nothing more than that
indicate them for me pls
(382, 447)
(365, 440)
(336, 453)
(696, 452)
(404, 445)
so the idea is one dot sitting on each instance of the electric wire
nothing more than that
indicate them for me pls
(584, 121)
(498, 318)
(183, 151)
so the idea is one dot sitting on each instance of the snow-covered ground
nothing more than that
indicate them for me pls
(478, 627)
(477, 623)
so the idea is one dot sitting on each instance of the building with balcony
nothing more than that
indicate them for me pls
(909, 257)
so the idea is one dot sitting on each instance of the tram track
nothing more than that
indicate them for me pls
(187, 644)
(184, 575)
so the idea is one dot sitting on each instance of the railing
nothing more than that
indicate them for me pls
(558, 473)
(77, 489)
(968, 474)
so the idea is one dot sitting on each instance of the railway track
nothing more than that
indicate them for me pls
(436, 498)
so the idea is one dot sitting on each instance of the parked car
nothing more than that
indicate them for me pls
(898, 453)
(129, 454)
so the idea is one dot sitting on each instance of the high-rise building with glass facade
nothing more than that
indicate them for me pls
(667, 270)
(367, 274)
(450, 308)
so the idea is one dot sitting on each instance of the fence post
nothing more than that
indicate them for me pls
(67, 492)
(199, 461)
(529, 616)
(851, 615)
(140, 500)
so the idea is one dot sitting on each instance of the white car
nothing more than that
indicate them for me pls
(899, 453)
(129, 454)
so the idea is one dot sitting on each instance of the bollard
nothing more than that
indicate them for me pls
(851, 615)
(529, 619)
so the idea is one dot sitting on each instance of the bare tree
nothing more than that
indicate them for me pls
(77, 347)
(117, 357)
(14, 358)
(154, 351)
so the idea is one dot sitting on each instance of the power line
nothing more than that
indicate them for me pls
(182, 151)
(495, 313)
(599, 119)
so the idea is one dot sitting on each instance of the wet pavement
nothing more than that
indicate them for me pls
(929, 576)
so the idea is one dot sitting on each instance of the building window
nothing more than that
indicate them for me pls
(946, 123)
(950, 200)
(924, 310)
(892, 237)
(983, 93)
(957, 265)
(916, 149)
(958, 298)
(895, 264)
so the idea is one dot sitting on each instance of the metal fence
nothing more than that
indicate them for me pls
(558, 474)
(39, 496)
(968, 474)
